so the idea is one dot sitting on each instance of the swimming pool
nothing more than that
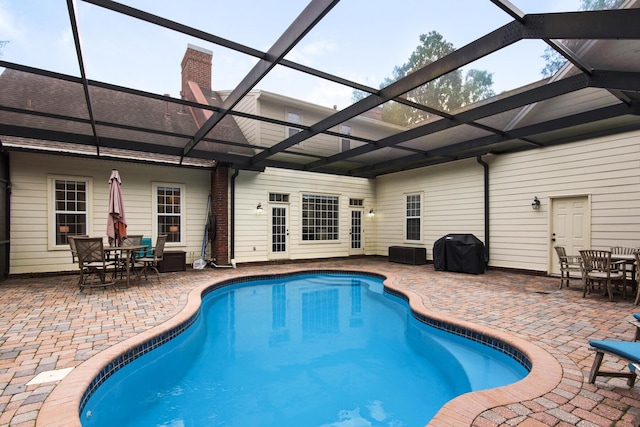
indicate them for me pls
(318, 350)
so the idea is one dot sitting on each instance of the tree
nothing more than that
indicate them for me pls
(552, 58)
(446, 93)
(2, 44)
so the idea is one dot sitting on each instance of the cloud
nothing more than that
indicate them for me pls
(307, 53)
(8, 28)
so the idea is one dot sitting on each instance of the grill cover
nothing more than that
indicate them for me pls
(462, 253)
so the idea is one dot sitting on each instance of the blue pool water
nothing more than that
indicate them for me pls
(321, 350)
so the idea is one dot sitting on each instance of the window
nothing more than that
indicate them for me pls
(293, 118)
(70, 208)
(319, 217)
(278, 198)
(356, 202)
(169, 211)
(345, 142)
(413, 217)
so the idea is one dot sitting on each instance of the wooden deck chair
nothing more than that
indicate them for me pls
(626, 350)
(568, 264)
(597, 267)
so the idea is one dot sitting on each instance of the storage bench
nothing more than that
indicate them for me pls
(408, 255)
(173, 261)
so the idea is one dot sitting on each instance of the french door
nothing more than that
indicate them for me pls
(356, 235)
(279, 248)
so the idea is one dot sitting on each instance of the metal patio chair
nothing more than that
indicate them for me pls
(94, 267)
(151, 260)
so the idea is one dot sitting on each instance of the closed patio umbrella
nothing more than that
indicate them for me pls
(117, 221)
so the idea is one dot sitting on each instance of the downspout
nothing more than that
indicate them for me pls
(486, 209)
(232, 233)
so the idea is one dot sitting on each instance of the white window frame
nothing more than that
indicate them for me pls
(315, 225)
(407, 216)
(294, 117)
(183, 210)
(345, 130)
(51, 198)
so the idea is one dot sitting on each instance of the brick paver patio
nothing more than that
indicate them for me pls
(48, 324)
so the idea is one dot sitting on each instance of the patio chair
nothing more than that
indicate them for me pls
(150, 261)
(637, 281)
(568, 264)
(625, 250)
(130, 240)
(94, 267)
(74, 252)
(627, 350)
(597, 267)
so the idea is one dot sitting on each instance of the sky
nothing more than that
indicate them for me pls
(360, 40)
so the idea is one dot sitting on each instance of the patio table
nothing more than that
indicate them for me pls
(125, 252)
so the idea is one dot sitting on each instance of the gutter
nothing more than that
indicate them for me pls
(232, 222)
(486, 209)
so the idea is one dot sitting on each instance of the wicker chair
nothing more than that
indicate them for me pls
(568, 264)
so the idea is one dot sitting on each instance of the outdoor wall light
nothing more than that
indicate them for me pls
(535, 205)
(371, 213)
(259, 208)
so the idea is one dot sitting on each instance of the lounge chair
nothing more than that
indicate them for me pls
(627, 350)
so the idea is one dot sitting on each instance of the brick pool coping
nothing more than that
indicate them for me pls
(60, 408)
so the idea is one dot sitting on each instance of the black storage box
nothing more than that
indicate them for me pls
(408, 255)
(462, 253)
(173, 261)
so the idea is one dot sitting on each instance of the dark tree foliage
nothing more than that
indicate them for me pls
(447, 93)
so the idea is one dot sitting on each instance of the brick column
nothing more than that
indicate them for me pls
(220, 210)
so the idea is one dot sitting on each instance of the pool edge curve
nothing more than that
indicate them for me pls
(61, 407)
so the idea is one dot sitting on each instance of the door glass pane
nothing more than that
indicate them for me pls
(356, 229)
(278, 229)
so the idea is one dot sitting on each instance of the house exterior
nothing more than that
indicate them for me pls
(589, 191)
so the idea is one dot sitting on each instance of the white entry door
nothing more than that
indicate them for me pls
(279, 232)
(356, 234)
(571, 227)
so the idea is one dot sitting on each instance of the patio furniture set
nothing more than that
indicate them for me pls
(616, 266)
(101, 265)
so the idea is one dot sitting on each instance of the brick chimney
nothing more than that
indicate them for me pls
(196, 67)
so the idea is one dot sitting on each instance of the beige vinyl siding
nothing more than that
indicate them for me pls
(452, 202)
(31, 251)
(277, 107)
(252, 229)
(250, 128)
(606, 169)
